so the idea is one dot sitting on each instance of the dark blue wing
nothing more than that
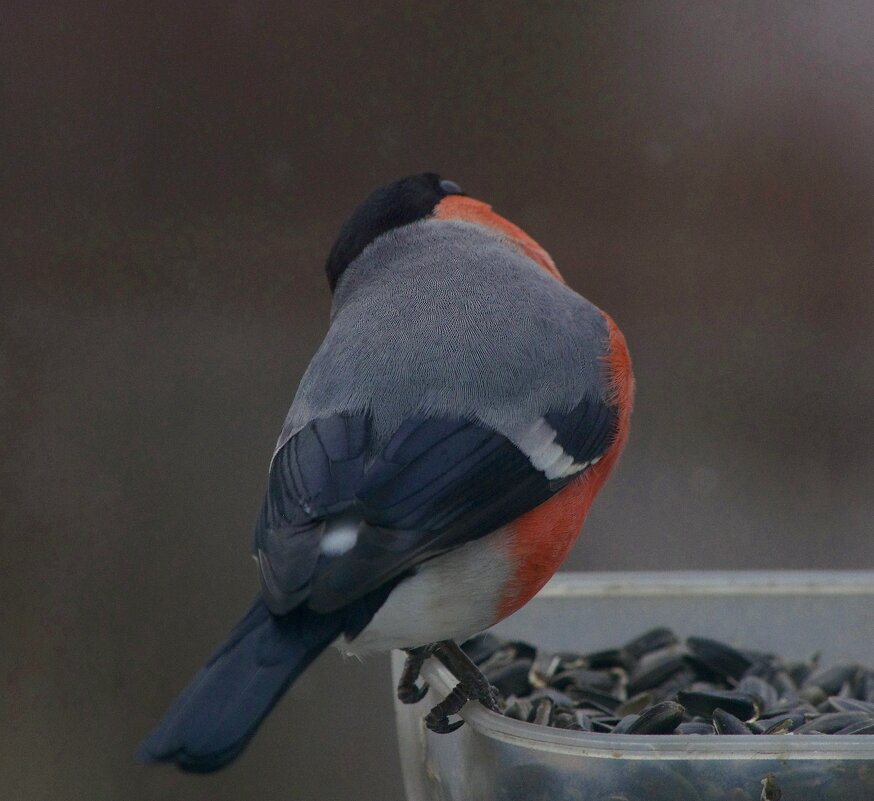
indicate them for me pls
(437, 483)
(586, 431)
(313, 477)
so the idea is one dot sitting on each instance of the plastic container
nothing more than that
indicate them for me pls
(794, 614)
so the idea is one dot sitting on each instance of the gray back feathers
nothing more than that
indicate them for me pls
(446, 317)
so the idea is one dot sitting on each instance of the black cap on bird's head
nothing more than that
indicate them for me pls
(391, 206)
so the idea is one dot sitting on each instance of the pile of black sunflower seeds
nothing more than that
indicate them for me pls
(657, 684)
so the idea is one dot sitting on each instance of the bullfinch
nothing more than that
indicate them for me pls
(436, 466)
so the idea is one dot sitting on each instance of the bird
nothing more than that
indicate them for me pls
(437, 463)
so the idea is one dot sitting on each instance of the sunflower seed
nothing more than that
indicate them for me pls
(543, 712)
(833, 722)
(722, 659)
(653, 685)
(760, 689)
(695, 727)
(850, 705)
(636, 704)
(510, 679)
(481, 647)
(650, 641)
(659, 719)
(726, 723)
(739, 704)
(656, 668)
(830, 680)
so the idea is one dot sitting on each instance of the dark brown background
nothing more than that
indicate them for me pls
(173, 175)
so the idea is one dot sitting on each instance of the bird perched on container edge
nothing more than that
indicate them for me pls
(437, 463)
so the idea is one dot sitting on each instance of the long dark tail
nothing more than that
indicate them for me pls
(218, 712)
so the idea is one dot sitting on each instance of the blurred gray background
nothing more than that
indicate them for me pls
(172, 178)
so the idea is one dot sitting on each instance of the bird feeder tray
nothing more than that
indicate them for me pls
(793, 614)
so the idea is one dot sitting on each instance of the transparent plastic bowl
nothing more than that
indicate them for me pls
(794, 614)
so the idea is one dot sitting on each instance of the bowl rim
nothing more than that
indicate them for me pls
(675, 746)
(579, 584)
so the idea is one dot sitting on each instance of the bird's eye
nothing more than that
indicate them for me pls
(451, 188)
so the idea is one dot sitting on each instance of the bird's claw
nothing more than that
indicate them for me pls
(472, 685)
(408, 691)
(412, 693)
(440, 724)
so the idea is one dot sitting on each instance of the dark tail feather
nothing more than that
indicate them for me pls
(216, 715)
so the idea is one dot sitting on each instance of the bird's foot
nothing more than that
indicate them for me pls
(472, 686)
(408, 691)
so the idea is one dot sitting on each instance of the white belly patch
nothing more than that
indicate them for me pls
(452, 596)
